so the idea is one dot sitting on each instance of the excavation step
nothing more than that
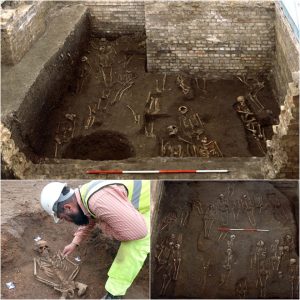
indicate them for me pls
(77, 168)
(37, 66)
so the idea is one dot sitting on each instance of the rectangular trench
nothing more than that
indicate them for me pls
(94, 105)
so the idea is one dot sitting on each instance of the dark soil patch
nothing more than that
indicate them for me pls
(99, 146)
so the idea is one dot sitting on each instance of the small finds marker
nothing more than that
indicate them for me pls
(38, 238)
(10, 285)
(78, 258)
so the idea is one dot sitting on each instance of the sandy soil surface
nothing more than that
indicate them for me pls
(188, 229)
(22, 220)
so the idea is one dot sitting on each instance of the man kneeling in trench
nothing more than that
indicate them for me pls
(121, 208)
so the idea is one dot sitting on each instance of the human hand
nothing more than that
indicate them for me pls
(69, 249)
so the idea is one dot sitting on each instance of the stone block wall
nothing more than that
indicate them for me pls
(210, 37)
(283, 149)
(112, 17)
(21, 26)
(287, 53)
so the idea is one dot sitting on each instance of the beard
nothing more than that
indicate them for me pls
(79, 218)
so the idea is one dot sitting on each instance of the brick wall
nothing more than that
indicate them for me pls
(286, 55)
(214, 37)
(116, 17)
(21, 26)
(283, 149)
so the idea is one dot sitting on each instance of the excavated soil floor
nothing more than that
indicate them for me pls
(17, 249)
(206, 270)
(106, 110)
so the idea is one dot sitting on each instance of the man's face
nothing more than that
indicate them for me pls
(74, 214)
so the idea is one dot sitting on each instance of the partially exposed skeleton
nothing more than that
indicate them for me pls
(169, 260)
(186, 90)
(209, 148)
(170, 218)
(91, 117)
(293, 277)
(248, 206)
(85, 69)
(250, 121)
(263, 274)
(227, 266)
(209, 218)
(241, 288)
(57, 271)
(223, 209)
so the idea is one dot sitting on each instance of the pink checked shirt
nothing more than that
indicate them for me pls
(115, 215)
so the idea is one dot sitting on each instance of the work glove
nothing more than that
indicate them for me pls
(110, 296)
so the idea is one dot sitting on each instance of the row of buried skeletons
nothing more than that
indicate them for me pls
(244, 203)
(191, 127)
(168, 260)
(57, 271)
(222, 209)
(189, 138)
(277, 263)
(255, 117)
(104, 67)
(270, 264)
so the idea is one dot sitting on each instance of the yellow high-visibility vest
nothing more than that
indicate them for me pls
(138, 192)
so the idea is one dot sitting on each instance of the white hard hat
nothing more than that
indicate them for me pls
(51, 195)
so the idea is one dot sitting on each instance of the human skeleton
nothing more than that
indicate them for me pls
(57, 271)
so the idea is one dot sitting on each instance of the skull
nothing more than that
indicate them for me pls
(173, 236)
(288, 238)
(84, 59)
(70, 117)
(204, 140)
(171, 244)
(173, 129)
(240, 99)
(42, 247)
(177, 246)
(183, 109)
(260, 243)
(286, 248)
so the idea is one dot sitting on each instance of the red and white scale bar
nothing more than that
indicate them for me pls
(152, 171)
(242, 229)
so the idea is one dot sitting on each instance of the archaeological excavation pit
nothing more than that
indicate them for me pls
(194, 256)
(142, 85)
(19, 228)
